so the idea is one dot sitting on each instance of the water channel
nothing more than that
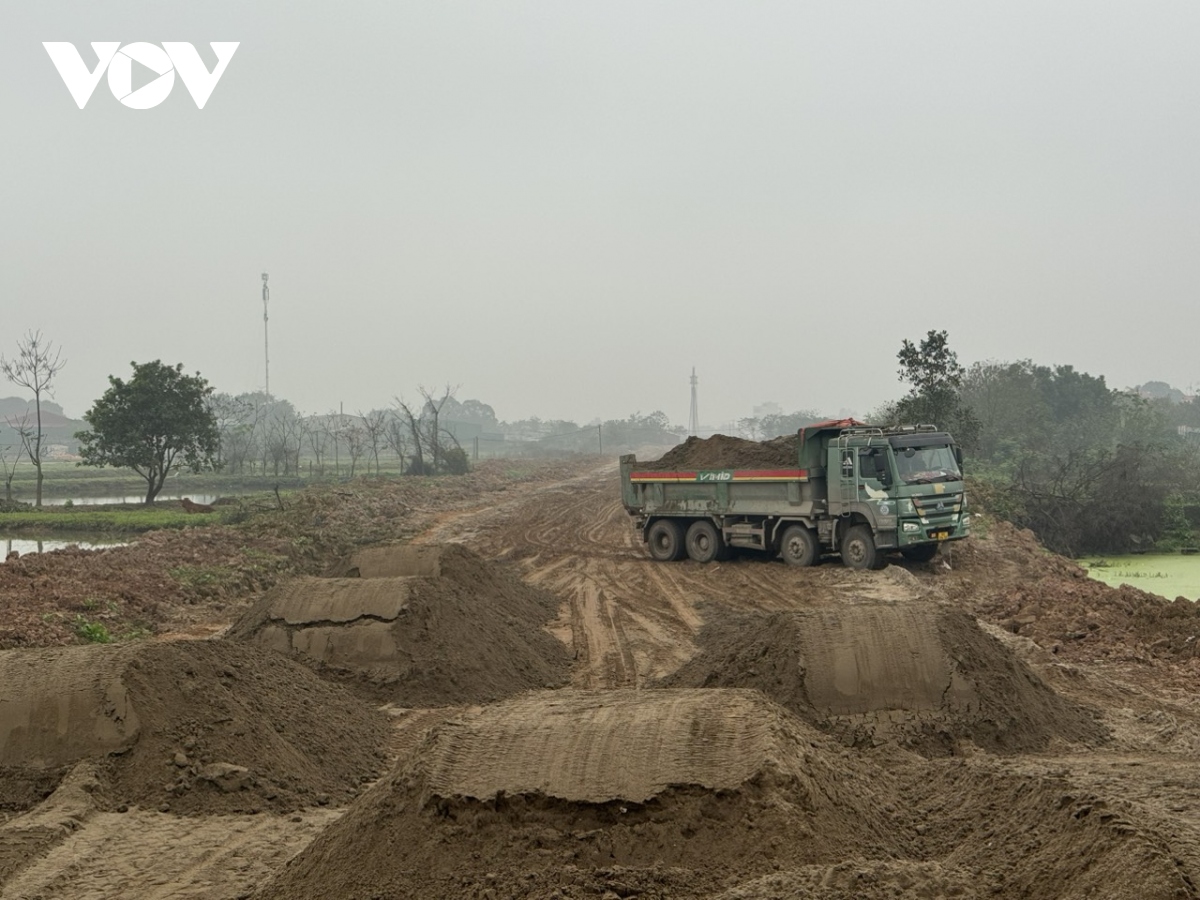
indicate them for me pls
(27, 543)
(128, 499)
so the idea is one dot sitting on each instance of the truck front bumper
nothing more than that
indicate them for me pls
(912, 531)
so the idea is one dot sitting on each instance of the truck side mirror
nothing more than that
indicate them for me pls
(958, 456)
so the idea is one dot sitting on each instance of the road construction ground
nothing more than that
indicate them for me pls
(737, 729)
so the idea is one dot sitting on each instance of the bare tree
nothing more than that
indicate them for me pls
(34, 368)
(283, 440)
(9, 470)
(412, 424)
(231, 414)
(355, 436)
(317, 434)
(375, 422)
(433, 411)
(396, 435)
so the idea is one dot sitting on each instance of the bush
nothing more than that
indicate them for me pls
(455, 461)
(92, 632)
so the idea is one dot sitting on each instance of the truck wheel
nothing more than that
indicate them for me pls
(920, 553)
(858, 549)
(798, 546)
(665, 540)
(704, 543)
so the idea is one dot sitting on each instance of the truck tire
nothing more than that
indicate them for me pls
(798, 546)
(703, 541)
(920, 553)
(665, 540)
(858, 549)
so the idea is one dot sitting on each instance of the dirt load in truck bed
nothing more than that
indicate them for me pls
(723, 452)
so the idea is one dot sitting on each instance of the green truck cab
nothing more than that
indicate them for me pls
(856, 490)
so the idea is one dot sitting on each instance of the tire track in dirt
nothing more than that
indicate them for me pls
(628, 618)
(155, 856)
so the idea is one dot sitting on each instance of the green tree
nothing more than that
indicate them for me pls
(936, 377)
(158, 422)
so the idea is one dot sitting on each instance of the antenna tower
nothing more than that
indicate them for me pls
(694, 421)
(266, 341)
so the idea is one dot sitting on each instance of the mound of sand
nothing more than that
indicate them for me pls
(419, 625)
(723, 452)
(1039, 837)
(203, 726)
(664, 793)
(923, 675)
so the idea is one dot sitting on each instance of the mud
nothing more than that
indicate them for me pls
(422, 626)
(921, 675)
(723, 452)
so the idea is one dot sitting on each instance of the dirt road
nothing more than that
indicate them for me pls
(627, 618)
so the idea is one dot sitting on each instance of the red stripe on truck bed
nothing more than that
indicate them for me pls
(730, 475)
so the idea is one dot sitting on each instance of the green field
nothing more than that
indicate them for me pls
(67, 480)
(85, 523)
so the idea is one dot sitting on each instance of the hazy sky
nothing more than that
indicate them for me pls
(564, 206)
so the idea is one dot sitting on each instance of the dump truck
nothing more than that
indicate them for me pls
(857, 490)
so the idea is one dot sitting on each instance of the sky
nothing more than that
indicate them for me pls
(562, 207)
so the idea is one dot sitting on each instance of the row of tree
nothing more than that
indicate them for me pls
(162, 420)
(261, 434)
(1088, 468)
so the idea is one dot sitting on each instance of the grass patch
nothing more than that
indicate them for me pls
(92, 632)
(110, 521)
(203, 576)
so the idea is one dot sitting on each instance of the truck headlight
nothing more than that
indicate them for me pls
(910, 527)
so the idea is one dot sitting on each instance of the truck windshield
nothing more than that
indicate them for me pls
(925, 465)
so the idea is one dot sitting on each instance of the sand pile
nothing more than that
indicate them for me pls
(918, 674)
(1040, 838)
(663, 793)
(420, 626)
(202, 726)
(58, 707)
(723, 452)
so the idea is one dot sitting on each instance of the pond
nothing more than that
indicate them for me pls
(1168, 575)
(128, 498)
(37, 544)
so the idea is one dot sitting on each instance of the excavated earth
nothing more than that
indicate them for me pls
(990, 724)
(196, 726)
(417, 626)
(724, 452)
(922, 675)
